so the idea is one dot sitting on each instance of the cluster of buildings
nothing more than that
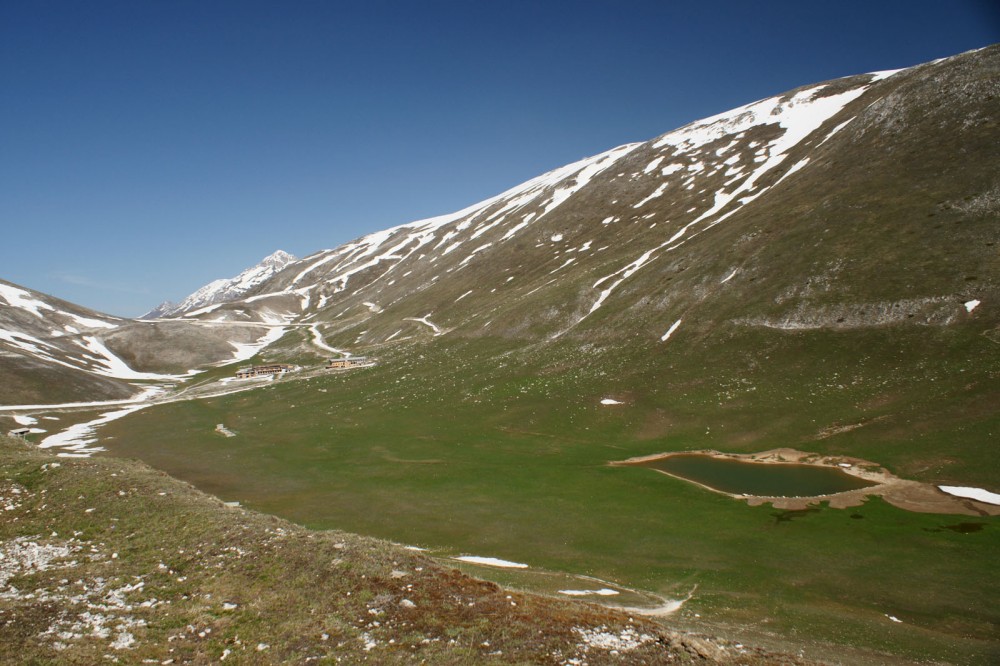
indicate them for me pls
(281, 368)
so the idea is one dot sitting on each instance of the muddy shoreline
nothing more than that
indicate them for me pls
(902, 493)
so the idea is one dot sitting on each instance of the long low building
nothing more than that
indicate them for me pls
(262, 370)
(349, 362)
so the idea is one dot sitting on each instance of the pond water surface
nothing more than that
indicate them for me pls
(749, 478)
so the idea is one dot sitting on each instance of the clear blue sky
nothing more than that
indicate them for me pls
(147, 148)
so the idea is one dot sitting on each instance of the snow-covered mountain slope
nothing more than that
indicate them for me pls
(810, 209)
(29, 311)
(854, 204)
(44, 339)
(51, 350)
(222, 291)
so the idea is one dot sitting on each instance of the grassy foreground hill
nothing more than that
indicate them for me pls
(484, 447)
(106, 560)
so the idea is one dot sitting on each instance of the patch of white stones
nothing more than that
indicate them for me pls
(601, 638)
(92, 608)
(625, 640)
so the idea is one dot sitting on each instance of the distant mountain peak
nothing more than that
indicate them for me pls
(225, 290)
(278, 258)
(160, 310)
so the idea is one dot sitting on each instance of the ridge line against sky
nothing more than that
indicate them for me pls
(149, 148)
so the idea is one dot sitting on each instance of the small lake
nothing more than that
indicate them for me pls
(766, 480)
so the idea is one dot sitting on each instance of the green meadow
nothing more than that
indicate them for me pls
(485, 447)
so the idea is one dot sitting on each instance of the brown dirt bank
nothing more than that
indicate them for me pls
(902, 493)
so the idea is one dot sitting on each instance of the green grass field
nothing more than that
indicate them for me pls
(106, 560)
(480, 447)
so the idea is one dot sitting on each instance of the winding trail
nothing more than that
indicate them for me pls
(427, 322)
(317, 339)
(78, 439)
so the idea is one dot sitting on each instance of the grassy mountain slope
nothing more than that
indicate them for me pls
(854, 203)
(482, 448)
(108, 560)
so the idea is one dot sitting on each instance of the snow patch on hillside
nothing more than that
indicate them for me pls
(246, 350)
(204, 310)
(77, 440)
(624, 274)
(884, 74)
(107, 363)
(395, 245)
(588, 168)
(89, 322)
(656, 194)
(977, 494)
(113, 366)
(799, 116)
(23, 300)
(603, 592)
(491, 562)
(670, 331)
